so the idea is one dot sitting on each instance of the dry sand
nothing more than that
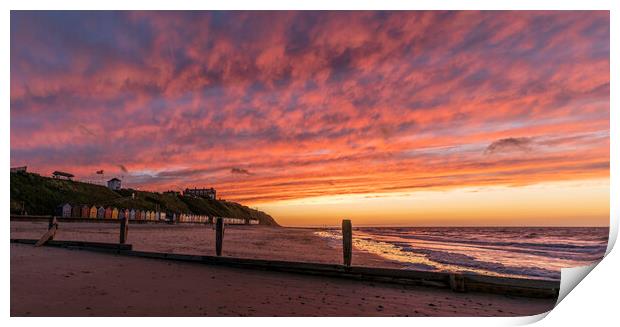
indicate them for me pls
(61, 282)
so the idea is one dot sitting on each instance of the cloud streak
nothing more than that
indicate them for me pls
(240, 171)
(509, 145)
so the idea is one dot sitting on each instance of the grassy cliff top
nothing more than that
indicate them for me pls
(40, 195)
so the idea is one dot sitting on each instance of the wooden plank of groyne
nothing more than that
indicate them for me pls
(515, 286)
(52, 224)
(457, 282)
(51, 231)
(78, 244)
(500, 285)
(46, 237)
(347, 242)
(219, 236)
(440, 277)
(123, 230)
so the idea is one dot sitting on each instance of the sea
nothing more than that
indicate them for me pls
(521, 252)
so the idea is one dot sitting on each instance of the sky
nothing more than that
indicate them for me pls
(387, 118)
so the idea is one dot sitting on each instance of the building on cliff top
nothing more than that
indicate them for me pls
(207, 193)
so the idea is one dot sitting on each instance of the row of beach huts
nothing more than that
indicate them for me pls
(100, 212)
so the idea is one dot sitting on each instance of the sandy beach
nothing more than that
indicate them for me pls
(96, 284)
(255, 242)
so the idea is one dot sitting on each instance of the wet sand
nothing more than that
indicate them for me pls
(60, 282)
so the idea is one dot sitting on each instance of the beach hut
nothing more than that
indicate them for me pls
(138, 215)
(121, 214)
(85, 211)
(114, 213)
(157, 215)
(76, 211)
(143, 214)
(107, 214)
(132, 214)
(93, 212)
(64, 210)
(151, 215)
(162, 216)
(100, 212)
(126, 211)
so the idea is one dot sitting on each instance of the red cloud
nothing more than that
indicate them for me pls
(315, 102)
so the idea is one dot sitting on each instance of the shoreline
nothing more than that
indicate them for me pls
(240, 241)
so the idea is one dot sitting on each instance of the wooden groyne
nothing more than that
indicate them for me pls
(468, 282)
(458, 282)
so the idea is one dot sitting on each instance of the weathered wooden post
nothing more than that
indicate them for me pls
(457, 282)
(124, 230)
(219, 235)
(50, 225)
(347, 242)
(51, 231)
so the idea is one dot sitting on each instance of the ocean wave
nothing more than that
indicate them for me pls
(512, 252)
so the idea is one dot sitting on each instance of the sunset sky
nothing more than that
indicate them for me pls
(387, 118)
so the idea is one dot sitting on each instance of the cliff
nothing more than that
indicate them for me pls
(39, 195)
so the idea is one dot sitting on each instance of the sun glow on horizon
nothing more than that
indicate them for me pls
(565, 203)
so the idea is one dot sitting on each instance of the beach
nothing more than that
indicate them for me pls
(253, 242)
(98, 284)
